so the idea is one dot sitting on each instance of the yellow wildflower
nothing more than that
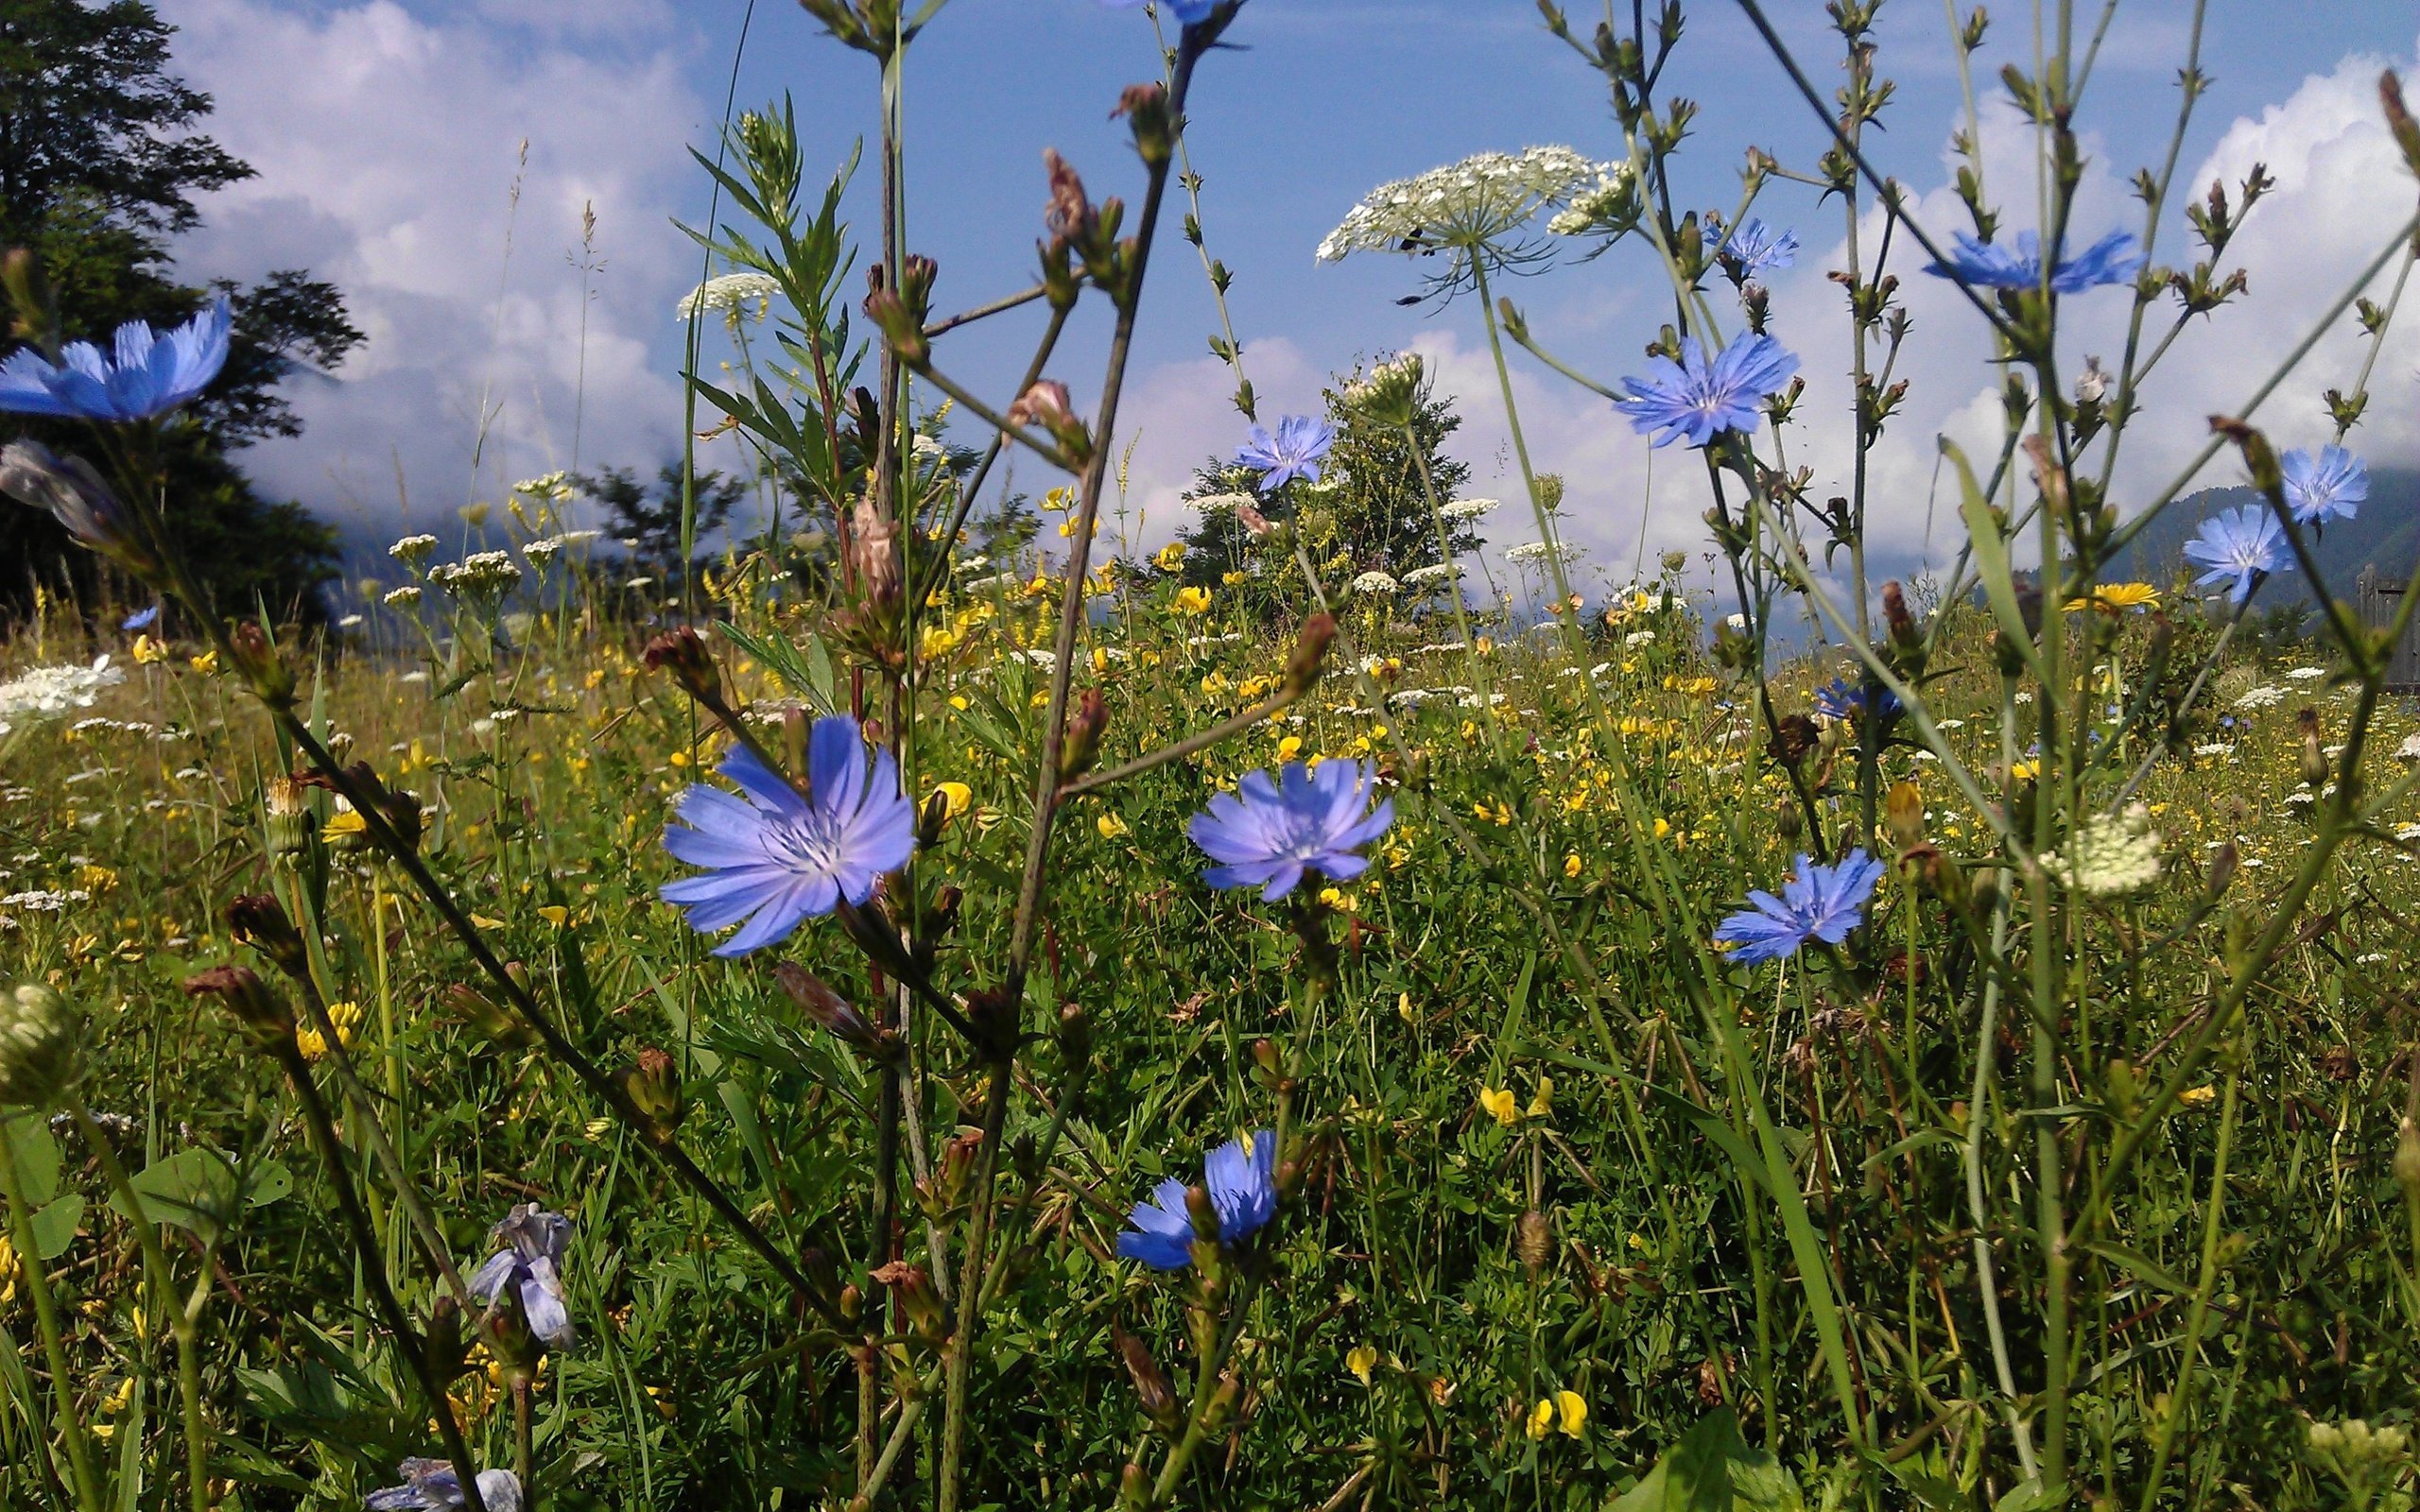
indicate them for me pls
(555, 914)
(1572, 1410)
(1289, 747)
(149, 652)
(1358, 1359)
(1541, 1419)
(1110, 826)
(2115, 598)
(1170, 557)
(2198, 1096)
(1193, 601)
(1499, 1104)
(343, 1017)
(1571, 865)
(956, 798)
(1231, 579)
(206, 663)
(1543, 1102)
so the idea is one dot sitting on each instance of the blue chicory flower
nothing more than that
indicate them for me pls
(1242, 1183)
(1756, 246)
(1844, 700)
(2239, 546)
(1270, 829)
(1818, 902)
(431, 1486)
(149, 374)
(2328, 485)
(1991, 265)
(1186, 11)
(1696, 399)
(781, 858)
(525, 1266)
(141, 621)
(1296, 451)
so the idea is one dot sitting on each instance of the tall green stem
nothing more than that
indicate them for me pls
(70, 1425)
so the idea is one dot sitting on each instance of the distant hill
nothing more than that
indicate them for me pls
(2386, 534)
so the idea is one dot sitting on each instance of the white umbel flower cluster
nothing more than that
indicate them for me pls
(46, 693)
(1374, 583)
(1539, 551)
(412, 550)
(481, 572)
(543, 549)
(1467, 508)
(1433, 573)
(1463, 204)
(2109, 857)
(1609, 207)
(730, 294)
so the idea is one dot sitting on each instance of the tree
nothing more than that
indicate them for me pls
(99, 167)
(646, 521)
(1369, 512)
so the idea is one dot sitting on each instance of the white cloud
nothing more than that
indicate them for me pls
(387, 145)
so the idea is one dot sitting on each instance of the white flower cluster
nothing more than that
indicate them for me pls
(546, 487)
(2263, 698)
(1434, 573)
(2409, 749)
(1539, 551)
(42, 901)
(1462, 204)
(2108, 857)
(1462, 510)
(2306, 674)
(402, 598)
(543, 549)
(480, 572)
(412, 550)
(1374, 583)
(45, 693)
(730, 293)
(1609, 205)
(1211, 502)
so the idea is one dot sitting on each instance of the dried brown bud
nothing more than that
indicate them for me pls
(1151, 1382)
(1070, 216)
(685, 654)
(1534, 1240)
(873, 554)
(827, 1009)
(1146, 107)
(252, 1002)
(1310, 651)
(914, 1289)
(1085, 730)
(653, 1085)
(259, 921)
(258, 661)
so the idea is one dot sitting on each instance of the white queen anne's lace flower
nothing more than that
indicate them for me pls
(412, 550)
(730, 293)
(480, 572)
(2108, 857)
(1467, 508)
(1610, 206)
(1463, 204)
(2261, 697)
(1538, 551)
(1374, 583)
(45, 693)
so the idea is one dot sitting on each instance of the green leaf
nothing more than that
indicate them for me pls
(53, 1226)
(806, 670)
(201, 1190)
(1713, 1470)
(36, 1156)
(2140, 1266)
(1991, 557)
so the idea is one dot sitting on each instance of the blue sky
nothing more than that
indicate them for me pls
(387, 137)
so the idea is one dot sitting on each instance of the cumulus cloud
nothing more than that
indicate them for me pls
(390, 148)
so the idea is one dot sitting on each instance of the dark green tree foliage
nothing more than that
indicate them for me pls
(98, 168)
(645, 520)
(1370, 512)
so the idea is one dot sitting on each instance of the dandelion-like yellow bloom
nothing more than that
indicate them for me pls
(343, 1017)
(2116, 598)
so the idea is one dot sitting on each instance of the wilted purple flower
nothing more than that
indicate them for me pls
(1268, 830)
(1695, 399)
(150, 375)
(1755, 246)
(1185, 11)
(1242, 1183)
(1296, 451)
(431, 1486)
(530, 1243)
(1818, 902)
(1989, 264)
(782, 857)
(2241, 545)
(2327, 486)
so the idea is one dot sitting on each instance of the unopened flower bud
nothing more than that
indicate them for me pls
(1203, 1212)
(684, 654)
(1048, 404)
(260, 665)
(290, 820)
(1085, 730)
(259, 921)
(40, 1036)
(1310, 651)
(1075, 1035)
(653, 1084)
(486, 1017)
(1534, 1240)
(74, 494)
(873, 554)
(1070, 216)
(827, 1009)
(1905, 811)
(1146, 109)
(1788, 822)
(249, 1001)
(914, 1289)
(1151, 1382)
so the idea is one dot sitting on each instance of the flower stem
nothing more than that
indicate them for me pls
(71, 1426)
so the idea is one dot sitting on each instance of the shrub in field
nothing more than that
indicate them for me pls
(926, 1028)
